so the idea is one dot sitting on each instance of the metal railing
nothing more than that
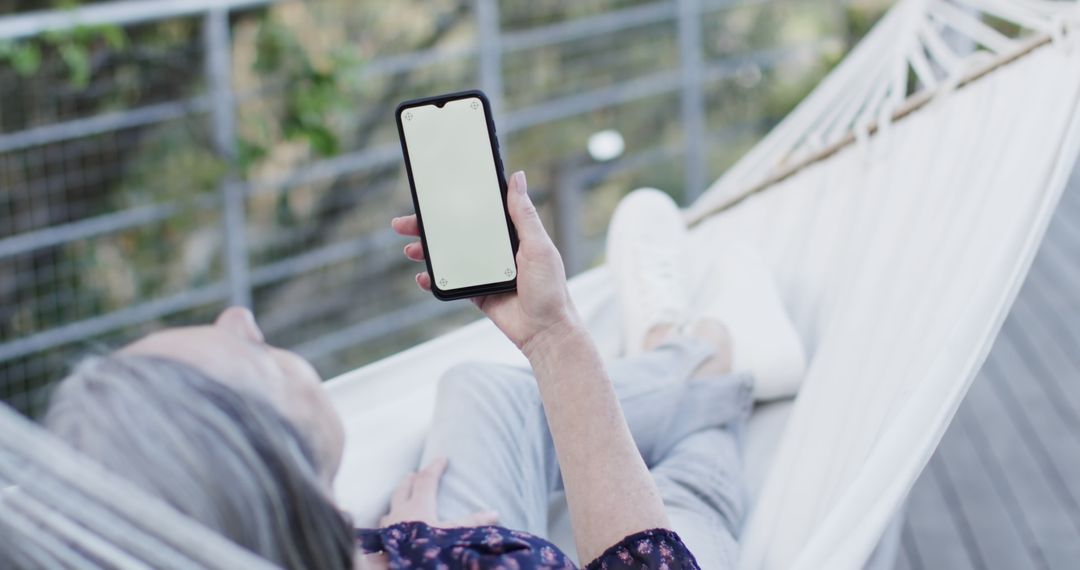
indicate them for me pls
(689, 82)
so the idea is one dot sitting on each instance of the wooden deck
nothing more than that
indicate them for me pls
(1003, 489)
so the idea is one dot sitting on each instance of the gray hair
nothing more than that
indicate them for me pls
(224, 458)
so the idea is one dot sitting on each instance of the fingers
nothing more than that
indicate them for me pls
(402, 492)
(406, 226)
(522, 211)
(482, 518)
(423, 280)
(426, 483)
(415, 251)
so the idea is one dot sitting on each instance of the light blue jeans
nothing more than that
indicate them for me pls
(490, 423)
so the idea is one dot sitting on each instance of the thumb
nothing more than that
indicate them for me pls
(482, 518)
(522, 211)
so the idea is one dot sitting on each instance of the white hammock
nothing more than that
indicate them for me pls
(898, 258)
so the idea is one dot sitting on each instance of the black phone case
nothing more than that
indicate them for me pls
(478, 290)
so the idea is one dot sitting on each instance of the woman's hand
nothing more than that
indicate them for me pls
(414, 500)
(540, 309)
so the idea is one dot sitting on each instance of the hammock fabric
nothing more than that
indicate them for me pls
(898, 245)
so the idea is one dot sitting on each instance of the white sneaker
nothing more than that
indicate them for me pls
(738, 290)
(646, 252)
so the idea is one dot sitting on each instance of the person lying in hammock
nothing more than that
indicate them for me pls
(241, 437)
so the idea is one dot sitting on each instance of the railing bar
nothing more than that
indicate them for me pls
(321, 257)
(555, 109)
(119, 120)
(733, 132)
(654, 84)
(130, 12)
(489, 46)
(589, 26)
(81, 330)
(607, 23)
(78, 128)
(105, 123)
(122, 13)
(382, 325)
(380, 156)
(217, 38)
(727, 67)
(692, 97)
(376, 267)
(630, 163)
(710, 5)
(329, 168)
(103, 224)
(390, 65)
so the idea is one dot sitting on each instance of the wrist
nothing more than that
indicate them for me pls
(556, 338)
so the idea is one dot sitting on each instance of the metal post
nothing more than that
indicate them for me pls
(692, 95)
(489, 52)
(566, 212)
(218, 48)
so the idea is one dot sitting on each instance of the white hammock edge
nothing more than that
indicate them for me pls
(885, 505)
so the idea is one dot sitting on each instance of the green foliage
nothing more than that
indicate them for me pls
(172, 166)
(77, 59)
(74, 47)
(24, 57)
(249, 153)
(859, 19)
(312, 94)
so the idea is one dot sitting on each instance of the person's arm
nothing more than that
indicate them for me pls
(608, 487)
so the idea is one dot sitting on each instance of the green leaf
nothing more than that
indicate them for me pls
(115, 37)
(272, 43)
(26, 59)
(322, 140)
(84, 34)
(78, 61)
(56, 37)
(248, 153)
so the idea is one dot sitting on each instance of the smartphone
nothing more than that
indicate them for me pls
(459, 191)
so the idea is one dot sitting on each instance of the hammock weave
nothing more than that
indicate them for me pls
(905, 200)
(61, 510)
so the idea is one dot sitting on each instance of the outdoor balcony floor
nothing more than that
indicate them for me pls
(1003, 489)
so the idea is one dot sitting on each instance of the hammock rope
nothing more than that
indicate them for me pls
(862, 97)
(909, 106)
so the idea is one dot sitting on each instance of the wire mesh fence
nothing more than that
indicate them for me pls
(160, 160)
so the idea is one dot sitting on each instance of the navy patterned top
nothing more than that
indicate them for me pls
(415, 545)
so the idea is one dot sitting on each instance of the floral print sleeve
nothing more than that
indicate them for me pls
(656, 549)
(418, 546)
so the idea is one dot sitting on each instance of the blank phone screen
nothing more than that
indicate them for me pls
(457, 188)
